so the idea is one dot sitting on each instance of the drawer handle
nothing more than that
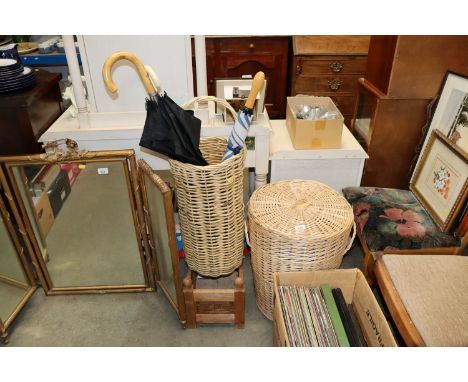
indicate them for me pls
(336, 67)
(251, 46)
(334, 84)
(298, 69)
(335, 101)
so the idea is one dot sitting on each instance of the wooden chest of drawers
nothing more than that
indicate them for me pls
(329, 66)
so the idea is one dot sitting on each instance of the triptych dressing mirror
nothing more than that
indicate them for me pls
(94, 222)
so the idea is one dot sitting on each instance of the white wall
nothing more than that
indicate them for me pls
(169, 56)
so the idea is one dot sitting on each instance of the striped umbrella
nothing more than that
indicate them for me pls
(239, 132)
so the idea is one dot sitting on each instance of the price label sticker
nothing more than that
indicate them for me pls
(300, 228)
(103, 170)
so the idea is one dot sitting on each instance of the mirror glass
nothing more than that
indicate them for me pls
(160, 237)
(13, 281)
(82, 218)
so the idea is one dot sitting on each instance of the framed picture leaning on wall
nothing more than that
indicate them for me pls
(450, 115)
(440, 180)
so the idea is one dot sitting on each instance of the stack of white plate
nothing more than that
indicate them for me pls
(14, 76)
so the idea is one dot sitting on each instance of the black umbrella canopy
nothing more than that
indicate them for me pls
(172, 131)
(169, 129)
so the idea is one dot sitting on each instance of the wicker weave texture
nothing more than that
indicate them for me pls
(295, 225)
(211, 210)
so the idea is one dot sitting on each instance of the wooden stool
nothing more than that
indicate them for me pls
(213, 301)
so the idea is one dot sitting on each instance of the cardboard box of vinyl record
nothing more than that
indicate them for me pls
(356, 291)
(309, 134)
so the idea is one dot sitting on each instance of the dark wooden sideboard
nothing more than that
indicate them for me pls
(237, 56)
(26, 115)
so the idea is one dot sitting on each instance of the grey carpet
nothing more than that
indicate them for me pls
(135, 319)
(128, 319)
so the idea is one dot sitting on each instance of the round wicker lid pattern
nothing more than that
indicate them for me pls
(301, 208)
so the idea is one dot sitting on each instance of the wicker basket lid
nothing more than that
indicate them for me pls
(301, 208)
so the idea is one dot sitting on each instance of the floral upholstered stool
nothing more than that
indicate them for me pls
(393, 221)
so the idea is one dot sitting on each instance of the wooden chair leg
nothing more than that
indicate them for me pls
(464, 243)
(368, 267)
(239, 300)
(190, 308)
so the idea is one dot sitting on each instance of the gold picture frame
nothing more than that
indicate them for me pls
(440, 180)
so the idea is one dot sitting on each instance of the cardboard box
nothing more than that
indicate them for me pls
(355, 289)
(44, 213)
(313, 134)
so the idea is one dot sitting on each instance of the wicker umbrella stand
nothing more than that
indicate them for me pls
(211, 209)
(295, 225)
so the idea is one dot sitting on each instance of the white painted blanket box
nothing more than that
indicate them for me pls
(337, 168)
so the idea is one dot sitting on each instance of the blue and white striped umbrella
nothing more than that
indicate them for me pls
(238, 134)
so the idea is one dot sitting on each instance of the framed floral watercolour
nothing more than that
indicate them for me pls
(440, 180)
(451, 113)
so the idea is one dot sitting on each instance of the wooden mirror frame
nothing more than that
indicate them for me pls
(4, 324)
(127, 158)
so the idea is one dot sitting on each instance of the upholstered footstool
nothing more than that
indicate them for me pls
(427, 296)
(393, 221)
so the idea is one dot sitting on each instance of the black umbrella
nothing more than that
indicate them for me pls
(172, 131)
(169, 129)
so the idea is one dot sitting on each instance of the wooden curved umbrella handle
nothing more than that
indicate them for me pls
(257, 85)
(140, 67)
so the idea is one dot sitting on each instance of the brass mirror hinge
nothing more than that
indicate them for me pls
(334, 84)
(54, 153)
(336, 67)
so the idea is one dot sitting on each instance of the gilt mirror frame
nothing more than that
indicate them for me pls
(146, 171)
(32, 287)
(127, 158)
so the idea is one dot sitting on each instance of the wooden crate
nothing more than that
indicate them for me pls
(218, 300)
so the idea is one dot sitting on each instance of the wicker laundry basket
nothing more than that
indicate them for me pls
(211, 209)
(295, 225)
